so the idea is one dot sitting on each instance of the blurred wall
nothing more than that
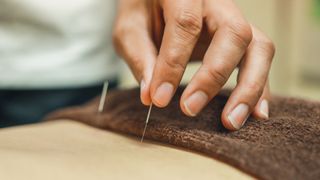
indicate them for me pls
(294, 26)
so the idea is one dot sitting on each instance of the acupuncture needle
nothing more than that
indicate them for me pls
(103, 96)
(146, 123)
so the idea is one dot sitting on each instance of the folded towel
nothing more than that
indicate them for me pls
(287, 146)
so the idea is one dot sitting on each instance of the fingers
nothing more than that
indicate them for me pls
(251, 85)
(183, 24)
(261, 110)
(222, 57)
(140, 55)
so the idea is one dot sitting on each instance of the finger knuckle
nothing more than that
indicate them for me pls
(240, 32)
(217, 75)
(255, 88)
(189, 23)
(173, 61)
(266, 46)
(135, 59)
(269, 45)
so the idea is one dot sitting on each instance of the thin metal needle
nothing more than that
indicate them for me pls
(147, 120)
(103, 96)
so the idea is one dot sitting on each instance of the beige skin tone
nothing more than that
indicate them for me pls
(157, 39)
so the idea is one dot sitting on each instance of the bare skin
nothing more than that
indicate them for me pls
(157, 39)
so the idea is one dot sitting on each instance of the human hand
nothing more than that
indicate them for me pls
(157, 38)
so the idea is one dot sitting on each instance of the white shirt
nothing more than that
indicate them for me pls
(56, 44)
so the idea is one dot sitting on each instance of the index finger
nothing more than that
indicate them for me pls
(183, 24)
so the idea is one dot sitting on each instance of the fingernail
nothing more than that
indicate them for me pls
(239, 116)
(163, 94)
(195, 103)
(264, 108)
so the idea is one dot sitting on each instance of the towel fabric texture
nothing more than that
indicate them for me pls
(287, 146)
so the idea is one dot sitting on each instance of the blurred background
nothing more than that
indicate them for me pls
(294, 26)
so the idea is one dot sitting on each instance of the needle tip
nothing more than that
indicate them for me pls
(146, 124)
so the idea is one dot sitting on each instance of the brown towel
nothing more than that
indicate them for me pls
(285, 147)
